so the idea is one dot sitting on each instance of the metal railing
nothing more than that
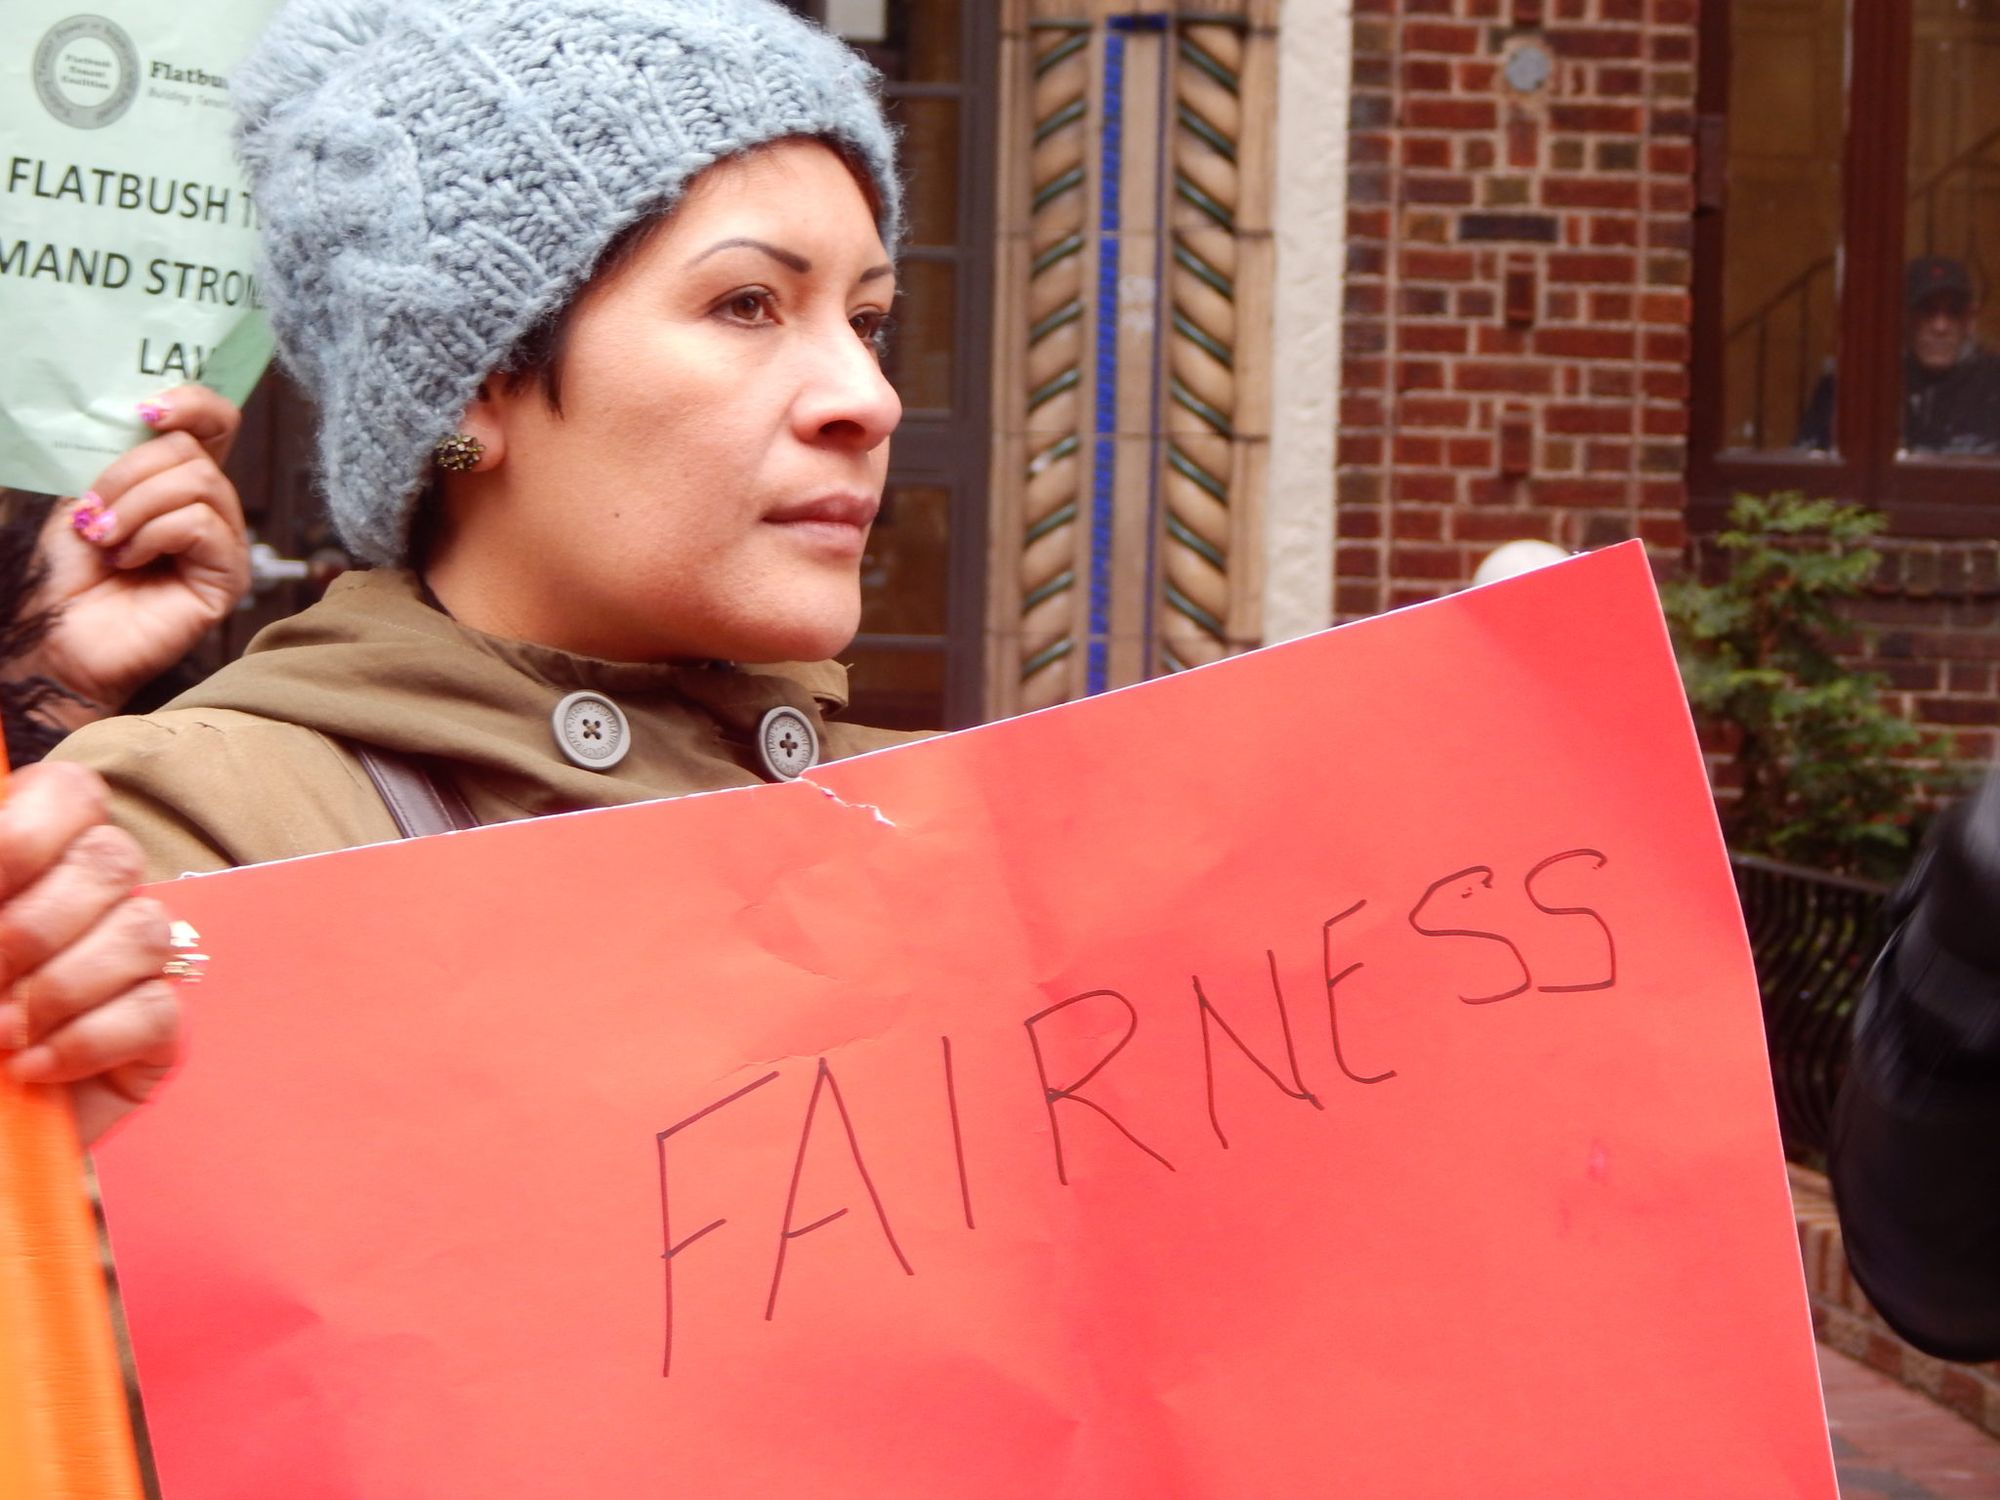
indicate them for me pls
(1795, 298)
(1814, 937)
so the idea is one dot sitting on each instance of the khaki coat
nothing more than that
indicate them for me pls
(255, 765)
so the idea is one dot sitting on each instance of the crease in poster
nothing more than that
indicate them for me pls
(128, 242)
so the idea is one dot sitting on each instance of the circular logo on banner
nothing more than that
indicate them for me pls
(87, 71)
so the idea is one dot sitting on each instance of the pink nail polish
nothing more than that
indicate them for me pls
(93, 524)
(153, 413)
(88, 514)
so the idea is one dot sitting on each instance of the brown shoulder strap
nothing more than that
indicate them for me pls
(420, 802)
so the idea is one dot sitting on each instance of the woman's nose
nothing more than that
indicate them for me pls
(848, 398)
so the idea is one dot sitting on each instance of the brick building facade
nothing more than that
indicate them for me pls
(1932, 631)
(1520, 212)
(1522, 179)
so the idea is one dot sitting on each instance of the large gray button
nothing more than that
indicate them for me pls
(591, 731)
(787, 743)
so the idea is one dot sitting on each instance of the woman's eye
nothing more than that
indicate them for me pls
(749, 307)
(875, 329)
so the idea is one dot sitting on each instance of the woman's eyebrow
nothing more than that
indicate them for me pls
(784, 258)
(789, 259)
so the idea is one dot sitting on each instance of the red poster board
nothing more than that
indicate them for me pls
(1337, 1071)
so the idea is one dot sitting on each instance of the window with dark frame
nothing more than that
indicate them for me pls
(919, 659)
(1847, 275)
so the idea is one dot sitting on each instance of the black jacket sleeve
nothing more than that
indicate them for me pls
(1915, 1156)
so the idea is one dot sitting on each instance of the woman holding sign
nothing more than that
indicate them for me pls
(591, 295)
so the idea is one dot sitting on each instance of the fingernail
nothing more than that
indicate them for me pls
(88, 515)
(153, 413)
(90, 520)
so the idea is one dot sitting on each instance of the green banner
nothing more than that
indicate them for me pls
(127, 237)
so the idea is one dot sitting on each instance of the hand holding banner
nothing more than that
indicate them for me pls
(1338, 1070)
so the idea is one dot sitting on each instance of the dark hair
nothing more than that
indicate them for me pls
(25, 701)
(537, 358)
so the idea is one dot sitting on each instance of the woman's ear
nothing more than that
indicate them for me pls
(485, 422)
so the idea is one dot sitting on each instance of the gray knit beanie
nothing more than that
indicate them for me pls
(435, 176)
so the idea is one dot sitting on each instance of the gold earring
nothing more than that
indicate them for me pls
(458, 453)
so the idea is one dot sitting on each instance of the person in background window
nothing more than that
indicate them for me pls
(1915, 1155)
(1951, 386)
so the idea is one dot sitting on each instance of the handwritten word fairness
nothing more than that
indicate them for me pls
(1088, 1010)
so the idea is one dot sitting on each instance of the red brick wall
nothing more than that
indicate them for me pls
(1928, 626)
(1518, 272)
(1932, 624)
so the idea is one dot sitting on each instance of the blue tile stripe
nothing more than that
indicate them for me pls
(1162, 137)
(1097, 658)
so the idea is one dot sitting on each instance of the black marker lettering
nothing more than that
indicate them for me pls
(957, 1137)
(1610, 945)
(1205, 1009)
(1332, 982)
(1052, 1096)
(666, 1230)
(786, 1234)
(1484, 874)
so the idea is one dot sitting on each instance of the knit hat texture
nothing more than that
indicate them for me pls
(435, 176)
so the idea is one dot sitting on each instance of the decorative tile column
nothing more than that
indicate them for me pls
(1132, 387)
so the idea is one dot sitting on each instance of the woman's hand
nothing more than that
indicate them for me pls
(153, 555)
(80, 955)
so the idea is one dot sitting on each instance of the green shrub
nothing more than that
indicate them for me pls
(1830, 776)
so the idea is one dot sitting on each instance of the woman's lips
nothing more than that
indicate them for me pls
(834, 523)
(843, 510)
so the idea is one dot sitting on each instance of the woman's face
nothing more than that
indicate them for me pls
(707, 487)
